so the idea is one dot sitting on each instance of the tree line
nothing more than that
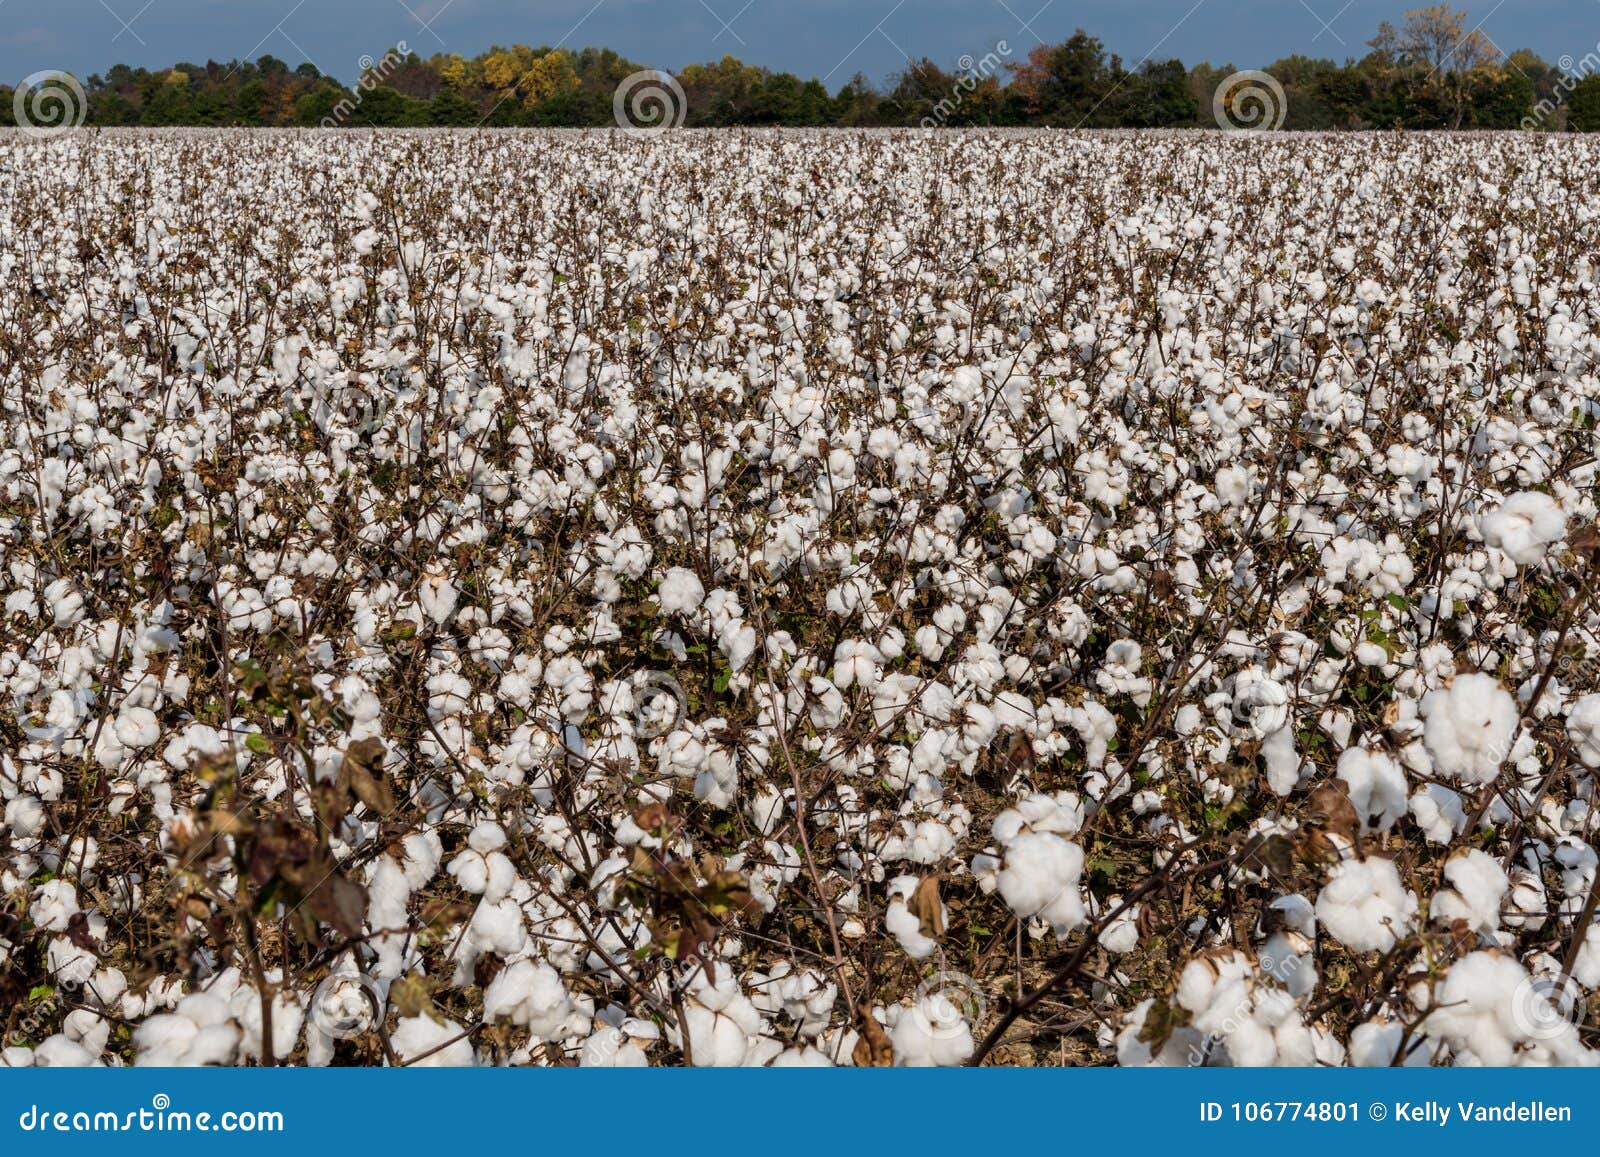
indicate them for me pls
(1430, 72)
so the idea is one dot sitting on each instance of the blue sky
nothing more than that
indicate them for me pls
(823, 38)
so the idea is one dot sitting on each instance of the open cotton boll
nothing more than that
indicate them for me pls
(1489, 1006)
(1365, 907)
(1377, 787)
(532, 995)
(422, 1042)
(1469, 728)
(1375, 1044)
(931, 1032)
(808, 1000)
(680, 592)
(1438, 811)
(1583, 728)
(60, 1051)
(904, 924)
(1479, 887)
(1524, 526)
(1039, 876)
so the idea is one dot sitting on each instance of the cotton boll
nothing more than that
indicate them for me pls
(1583, 728)
(1469, 728)
(716, 1040)
(1375, 1044)
(1479, 886)
(532, 995)
(931, 1032)
(137, 728)
(1377, 787)
(60, 1051)
(680, 592)
(904, 924)
(1039, 876)
(1489, 1006)
(55, 902)
(422, 1042)
(1524, 526)
(1365, 907)
(1438, 811)
(808, 1001)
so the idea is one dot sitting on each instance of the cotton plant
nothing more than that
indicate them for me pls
(688, 630)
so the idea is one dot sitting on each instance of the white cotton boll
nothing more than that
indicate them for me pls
(765, 808)
(1184, 1047)
(1469, 728)
(437, 596)
(532, 995)
(716, 1040)
(611, 1047)
(1524, 526)
(1375, 1044)
(1377, 787)
(55, 902)
(932, 1032)
(1583, 728)
(680, 592)
(1284, 765)
(137, 727)
(1488, 1005)
(60, 1051)
(1039, 876)
(904, 924)
(1478, 887)
(1438, 811)
(1586, 970)
(422, 1042)
(1365, 907)
(808, 1001)
(802, 1057)
(1121, 934)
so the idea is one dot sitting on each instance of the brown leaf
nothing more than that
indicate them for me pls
(873, 1050)
(339, 902)
(927, 908)
(1331, 809)
(362, 772)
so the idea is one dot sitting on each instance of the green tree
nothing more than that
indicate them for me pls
(1583, 105)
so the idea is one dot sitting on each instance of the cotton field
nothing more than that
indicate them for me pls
(799, 599)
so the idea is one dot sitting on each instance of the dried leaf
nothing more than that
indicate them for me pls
(873, 1050)
(927, 907)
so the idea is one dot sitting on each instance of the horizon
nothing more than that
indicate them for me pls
(877, 40)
